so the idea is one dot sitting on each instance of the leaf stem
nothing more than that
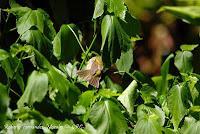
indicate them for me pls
(77, 39)
(13, 76)
(14, 92)
(88, 50)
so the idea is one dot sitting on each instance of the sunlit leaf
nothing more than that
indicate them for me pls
(125, 61)
(188, 121)
(85, 100)
(35, 38)
(107, 118)
(191, 126)
(99, 8)
(164, 73)
(148, 93)
(108, 93)
(188, 47)
(21, 127)
(71, 70)
(27, 18)
(68, 93)
(175, 105)
(70, 130)
(150, 120)
(128, 97)
(183, 61)
(36, 89)
(192, 81)
(117, 7)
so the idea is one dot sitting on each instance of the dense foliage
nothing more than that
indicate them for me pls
(54, 99)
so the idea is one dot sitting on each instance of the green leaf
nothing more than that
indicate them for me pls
(131, 26)
(148, 125)
(85, 100)
(90, 129)
(35, 38)
(192, 81)
(188, 47)
(108, 93)
(188, 121)
(186, 95)
(111, 85)
(14, 70)
(36, 57)
(117, 7)
(107, 118)
(142, 78)
(183, 61)
(68, 93)
(189, 14)
(169, 131)
(4, 103)
(150, 120)
(3, 54)
(125, 61)
(193, 128)
(115, 38)
(99, 8)
(65, 44)
(175, 104)
(164, 73)
(13, 3)
(27, 18)
(106, 27)
(128, 97)
(71, 70)
(148, 93)
(39, 59)
(36, 89)
(70, 130)
(20, 127)
(144, 111)
(124, 39)
(194, 109)
(26, 113)
(11, 66)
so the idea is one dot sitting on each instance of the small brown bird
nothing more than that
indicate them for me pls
(92, 72)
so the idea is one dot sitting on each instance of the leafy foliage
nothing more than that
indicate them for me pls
(163, 104)
(127, 98)
(105, 116)
(36, 89)
(175, 105)
(65, 44)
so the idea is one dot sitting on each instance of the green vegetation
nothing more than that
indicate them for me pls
(54, 99)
